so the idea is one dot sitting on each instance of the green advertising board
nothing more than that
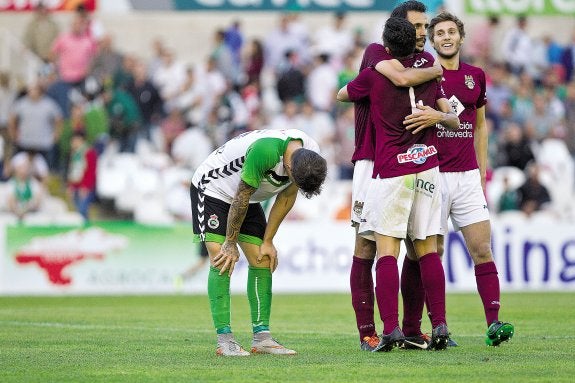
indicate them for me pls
(521, 7)
(105, 257)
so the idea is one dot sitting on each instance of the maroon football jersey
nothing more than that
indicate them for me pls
(398, 151)
(465, 90)
(364, 142)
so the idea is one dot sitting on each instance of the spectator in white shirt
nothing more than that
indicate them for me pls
(517, 47)
(169, 78)
(322, 84)
(335, 39)
(281, 40)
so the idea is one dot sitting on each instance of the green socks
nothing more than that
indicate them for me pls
(219, 294)
(260, 297)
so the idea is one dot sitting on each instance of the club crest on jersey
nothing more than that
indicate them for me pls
(213, 222)
(417, 154)
(357, 208)
(469, 81)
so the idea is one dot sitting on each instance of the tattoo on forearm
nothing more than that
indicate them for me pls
(238, 210)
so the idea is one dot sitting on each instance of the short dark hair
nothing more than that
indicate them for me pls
(445, 16)
(411, 5)
(309, 171)
(399, 37)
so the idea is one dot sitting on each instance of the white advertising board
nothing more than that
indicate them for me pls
(313, 257)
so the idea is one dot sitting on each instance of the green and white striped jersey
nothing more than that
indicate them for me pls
(255, 157)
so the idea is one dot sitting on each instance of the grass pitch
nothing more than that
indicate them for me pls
(171, 339)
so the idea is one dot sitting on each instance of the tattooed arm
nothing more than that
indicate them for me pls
(229, 253)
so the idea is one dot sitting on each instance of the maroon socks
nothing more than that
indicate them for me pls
(422, 281)
(433, 279)
(413, 296)
(488, 288)
(386, 291)
(362, 295)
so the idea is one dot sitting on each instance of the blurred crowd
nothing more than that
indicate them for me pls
(93, 101)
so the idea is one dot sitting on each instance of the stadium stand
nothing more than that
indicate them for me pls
(144, 165)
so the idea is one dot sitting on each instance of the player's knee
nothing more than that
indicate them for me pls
(365, 248)
(263, 263)
(213, 248)
(481, 253)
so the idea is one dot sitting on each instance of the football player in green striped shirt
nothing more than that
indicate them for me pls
(226, 192)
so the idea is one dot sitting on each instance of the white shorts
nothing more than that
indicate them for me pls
(462, 199)
(403, 206)
(362, 173)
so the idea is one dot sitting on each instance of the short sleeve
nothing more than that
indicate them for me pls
(482, 99)
(360, 87)
(261, 156)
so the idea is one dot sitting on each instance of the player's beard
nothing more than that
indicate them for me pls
(417, 48)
